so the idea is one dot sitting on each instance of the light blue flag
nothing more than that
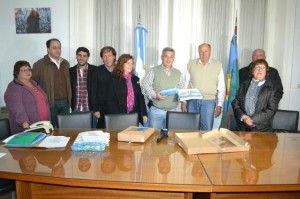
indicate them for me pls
(232, 75)
(140, 41)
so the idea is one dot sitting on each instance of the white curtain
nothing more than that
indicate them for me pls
(184, 24)
(181, 24)
(251, 28)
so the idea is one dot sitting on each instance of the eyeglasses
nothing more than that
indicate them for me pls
(263, 68)
(25, 69)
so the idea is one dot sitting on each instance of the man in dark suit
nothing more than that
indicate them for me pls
(101, 78)
(244, 73)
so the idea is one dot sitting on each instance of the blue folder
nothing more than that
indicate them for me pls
(26, 139)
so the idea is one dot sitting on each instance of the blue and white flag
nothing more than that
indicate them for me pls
(140, 40)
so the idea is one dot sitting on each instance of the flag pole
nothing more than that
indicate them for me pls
(235, 27)
(232, 74)
(139, 17)
(140, 37)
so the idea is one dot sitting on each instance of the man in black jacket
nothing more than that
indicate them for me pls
(244, 73)
(101, 79)
(81, 82)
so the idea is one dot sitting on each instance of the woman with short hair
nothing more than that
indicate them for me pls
(26, 102)
(255, 103)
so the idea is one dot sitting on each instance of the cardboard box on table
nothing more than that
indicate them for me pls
(135, 134)
(215, 141)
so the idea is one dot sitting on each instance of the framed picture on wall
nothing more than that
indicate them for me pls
(33, 20)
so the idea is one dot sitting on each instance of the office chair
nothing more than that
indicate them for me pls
(75, 120)
(121, 121)
(229, 121)
(6, 186)
(183, 120)
(4, 128)
(286, 121)
(233, 124)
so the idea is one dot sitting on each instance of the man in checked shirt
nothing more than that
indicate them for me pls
(81, 79)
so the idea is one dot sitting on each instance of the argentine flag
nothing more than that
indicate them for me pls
(140, 40)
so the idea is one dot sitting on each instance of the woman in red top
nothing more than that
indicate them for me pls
(26, 102)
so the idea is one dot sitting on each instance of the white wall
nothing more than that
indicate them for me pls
(29, 47)
(295, 80)
(83, 29)
(280, 53)
(74, 30)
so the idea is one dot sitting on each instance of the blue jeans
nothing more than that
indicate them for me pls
(157, 117)
(147, 124)
(206, 108)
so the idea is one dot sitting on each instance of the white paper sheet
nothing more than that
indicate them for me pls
(54, 142)
(2, 154)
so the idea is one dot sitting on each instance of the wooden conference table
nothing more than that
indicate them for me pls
(150, 170)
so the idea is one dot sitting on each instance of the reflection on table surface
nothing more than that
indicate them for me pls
(148, 162)
(272, 159)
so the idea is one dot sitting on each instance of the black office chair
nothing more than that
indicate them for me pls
(286, 121)
(183, 120)
(229, 121)
(75, 120)
(4, 128)
(233, 124)
(121, 121)
(6, 186)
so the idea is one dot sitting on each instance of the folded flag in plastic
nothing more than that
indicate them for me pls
(91, 141)
(188, 94)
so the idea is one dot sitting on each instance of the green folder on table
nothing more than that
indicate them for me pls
(26, 139)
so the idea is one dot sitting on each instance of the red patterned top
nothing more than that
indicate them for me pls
(41, 103)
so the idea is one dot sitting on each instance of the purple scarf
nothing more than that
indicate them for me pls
(130, 93)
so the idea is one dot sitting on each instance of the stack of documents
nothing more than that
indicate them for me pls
(91, 141)
(54, 142)
(36, 139)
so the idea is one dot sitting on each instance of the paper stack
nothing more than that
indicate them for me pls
(36, 139)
